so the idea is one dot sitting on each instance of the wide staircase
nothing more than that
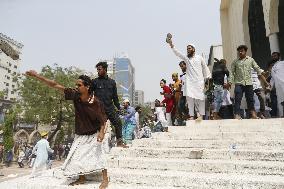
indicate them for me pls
(207, 154)
(219, 154)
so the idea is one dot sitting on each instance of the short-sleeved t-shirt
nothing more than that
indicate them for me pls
(89, 116)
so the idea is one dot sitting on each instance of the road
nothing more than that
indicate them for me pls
(7, 173)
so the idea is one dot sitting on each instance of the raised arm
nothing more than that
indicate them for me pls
(46, 81)
(176, 52)
(205, 69)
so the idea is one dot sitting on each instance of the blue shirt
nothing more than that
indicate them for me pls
(130, 116)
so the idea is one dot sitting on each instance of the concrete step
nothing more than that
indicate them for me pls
(50, 182)
(194, 180)
(226, 128)
(244, 123)
(198, 153)
(209, 143)
(199, 165)
(219, 135)
(189, 153)
(238, 154)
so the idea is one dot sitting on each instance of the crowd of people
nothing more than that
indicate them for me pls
(25, 154)
(199, 94)
(196, 94)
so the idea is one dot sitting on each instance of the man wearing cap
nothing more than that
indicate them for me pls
(129, 122)
(196, 74)
(41, 150)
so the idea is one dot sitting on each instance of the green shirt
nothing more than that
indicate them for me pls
(241, 71)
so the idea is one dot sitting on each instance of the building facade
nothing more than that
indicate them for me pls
(139, 98)
(216, 51)
(259, 24)
(124, 75)
(9, 68)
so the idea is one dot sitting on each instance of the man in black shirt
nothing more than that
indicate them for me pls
(106, 91)
(218, 73)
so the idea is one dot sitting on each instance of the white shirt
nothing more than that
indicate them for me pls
(255, 81)
(277, 80)
(196, 72)
(41, 150)
(160, 112)
(137, 119)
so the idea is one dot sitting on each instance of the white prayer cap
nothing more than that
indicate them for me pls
(126, 101)
(191, 44)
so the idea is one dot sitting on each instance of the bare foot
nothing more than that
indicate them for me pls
(121, 144)
(104, 184)
(81, 180)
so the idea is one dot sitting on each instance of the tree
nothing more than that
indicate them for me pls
(2, 94)
(9, 122)
(146, 113)
(60, 137)
(45, 105)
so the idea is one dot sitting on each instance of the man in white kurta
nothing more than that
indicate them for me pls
(278, 81)
(196, 73)
(41, 150)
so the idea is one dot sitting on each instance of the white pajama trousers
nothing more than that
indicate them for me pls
(198, 104)
(169, 119)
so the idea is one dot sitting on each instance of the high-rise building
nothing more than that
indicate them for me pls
(124, 75)
(9, 68)
(139, 98)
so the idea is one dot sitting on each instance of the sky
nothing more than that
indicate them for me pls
(82, 32)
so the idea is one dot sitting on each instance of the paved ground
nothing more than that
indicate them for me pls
(7, 173)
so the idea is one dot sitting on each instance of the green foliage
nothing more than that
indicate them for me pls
(146, 113)
(9, 122)
(60, 137)
(46, 105)
(2, 94)
(39, 99)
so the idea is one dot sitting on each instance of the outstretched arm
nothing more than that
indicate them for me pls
(48, 82)
(176, 52)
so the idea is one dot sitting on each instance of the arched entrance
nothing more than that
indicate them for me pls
(260, 45)
(34, 137)
(21, 136)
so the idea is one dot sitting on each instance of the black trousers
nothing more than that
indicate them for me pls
(239, 90)
(113, 117)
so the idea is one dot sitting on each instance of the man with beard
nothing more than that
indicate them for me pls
(277, 81)
(106, 91)
(196, 74)
(275, 56)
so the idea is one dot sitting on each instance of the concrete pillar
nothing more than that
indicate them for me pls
(274, 42)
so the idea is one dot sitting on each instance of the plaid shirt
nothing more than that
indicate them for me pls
(241, 71)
